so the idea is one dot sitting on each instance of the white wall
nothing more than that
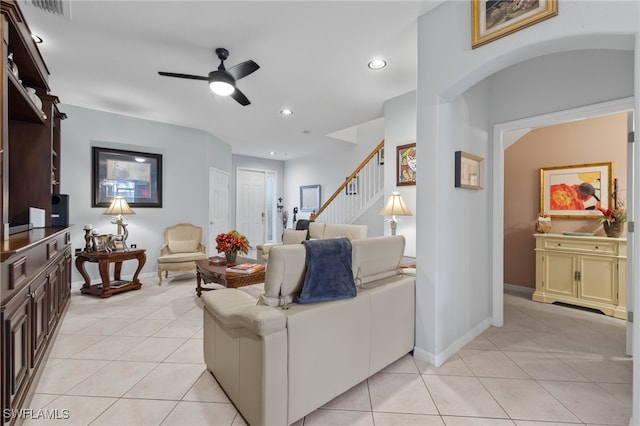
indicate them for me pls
(456, 226)
(187, 156)
(400, 129)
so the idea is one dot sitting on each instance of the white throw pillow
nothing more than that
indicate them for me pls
(291, 236)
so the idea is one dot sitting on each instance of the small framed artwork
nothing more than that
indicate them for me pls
(468, 170)
(575, 191)
(352, 186)
(493, 19)
(309, 198)
(406, 164)
(381, 157)
(135, 176)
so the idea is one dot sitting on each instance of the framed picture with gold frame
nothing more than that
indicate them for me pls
(493, 19)
(575, 191)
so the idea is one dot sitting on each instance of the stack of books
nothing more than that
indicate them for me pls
(246, 268)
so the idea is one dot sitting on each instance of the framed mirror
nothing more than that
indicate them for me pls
(309, 198)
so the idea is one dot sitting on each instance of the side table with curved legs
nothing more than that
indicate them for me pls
(109, 287)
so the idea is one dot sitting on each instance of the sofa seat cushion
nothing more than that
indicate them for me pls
(237, 309)
(181, 257)
(329, 275)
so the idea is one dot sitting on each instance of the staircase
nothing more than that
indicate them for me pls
(357, 193)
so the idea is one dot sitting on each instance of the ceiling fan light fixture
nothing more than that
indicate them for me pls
(221, 83)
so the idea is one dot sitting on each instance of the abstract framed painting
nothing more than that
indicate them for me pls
(135, 176)
(406, 164)
(575, 191)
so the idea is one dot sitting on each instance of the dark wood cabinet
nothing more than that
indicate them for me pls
(35, 264)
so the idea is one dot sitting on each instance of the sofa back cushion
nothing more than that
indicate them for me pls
(291, 236)
(321, 231)
(316, 230)
(376, 258)
(285, 274)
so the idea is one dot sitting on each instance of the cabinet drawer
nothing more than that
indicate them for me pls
(592, 247)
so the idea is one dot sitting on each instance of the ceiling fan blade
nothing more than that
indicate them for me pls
(189, 76)
(243, 69)
(240, 97)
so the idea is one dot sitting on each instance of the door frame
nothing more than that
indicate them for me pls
(498, 147)
(211, 234)
(267, 202)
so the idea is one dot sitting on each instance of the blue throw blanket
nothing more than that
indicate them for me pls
(329, 273)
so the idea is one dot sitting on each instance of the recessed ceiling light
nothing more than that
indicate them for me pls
(306, 132)
(36, 38)
(272, 153)
(377, 64)
(286, 111)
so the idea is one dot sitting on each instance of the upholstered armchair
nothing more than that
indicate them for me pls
(183, 247)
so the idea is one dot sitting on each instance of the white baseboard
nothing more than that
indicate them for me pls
(439, 359)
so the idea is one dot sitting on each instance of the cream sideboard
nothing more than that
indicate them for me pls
(583, 271)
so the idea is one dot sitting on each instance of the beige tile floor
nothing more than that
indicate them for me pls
(136, 359)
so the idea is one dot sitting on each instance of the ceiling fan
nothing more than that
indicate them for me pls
(223, 81)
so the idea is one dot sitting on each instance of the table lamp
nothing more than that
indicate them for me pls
(395, 207)
(119, 206)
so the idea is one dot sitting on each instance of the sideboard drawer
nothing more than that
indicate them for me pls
(593, 247)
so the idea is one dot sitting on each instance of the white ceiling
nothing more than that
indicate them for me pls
(313, 59)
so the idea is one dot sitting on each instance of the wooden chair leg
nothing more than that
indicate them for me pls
(159, 276)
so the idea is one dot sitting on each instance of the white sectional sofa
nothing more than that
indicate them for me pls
(317, 231)
(278, 360)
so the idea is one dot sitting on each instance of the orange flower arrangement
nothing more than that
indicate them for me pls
(232, 241)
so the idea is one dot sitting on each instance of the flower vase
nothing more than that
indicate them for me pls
(231, 256)
(613, 229)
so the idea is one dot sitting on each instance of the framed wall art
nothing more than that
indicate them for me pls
(406, 164)
(352, 186)
(468, 170)
(493, 19)
(309, 198)
(575, 191)
(135, 176)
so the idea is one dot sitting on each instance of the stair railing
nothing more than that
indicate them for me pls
(357, 193)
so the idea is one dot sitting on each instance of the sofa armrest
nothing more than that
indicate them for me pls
(262, 250)
(202, 248)
(237, 309)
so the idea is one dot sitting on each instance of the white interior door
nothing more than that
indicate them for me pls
(218, 207)
(250, 206)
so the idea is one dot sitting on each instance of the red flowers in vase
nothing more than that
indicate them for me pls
(232, 241)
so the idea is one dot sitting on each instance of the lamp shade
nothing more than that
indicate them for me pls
(119, 206)
(395, 206)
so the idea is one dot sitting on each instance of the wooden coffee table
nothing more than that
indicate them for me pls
(216, 273)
